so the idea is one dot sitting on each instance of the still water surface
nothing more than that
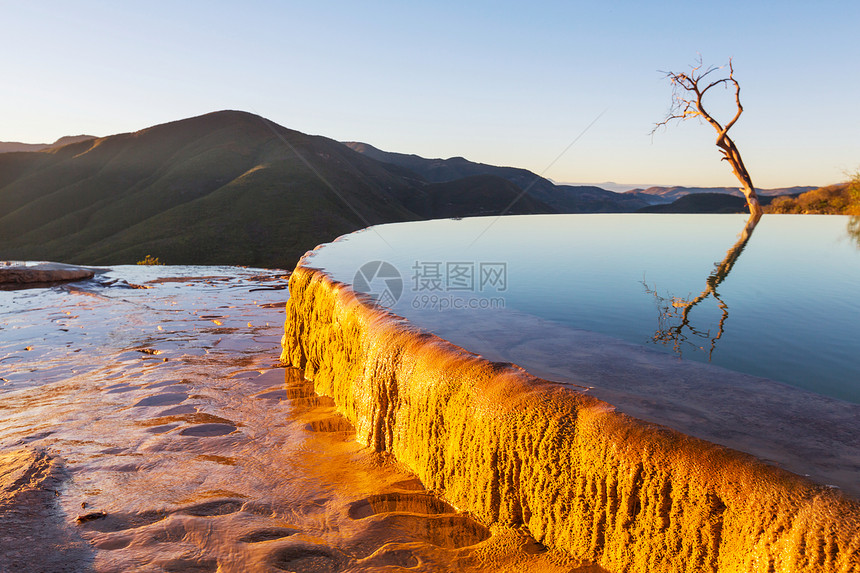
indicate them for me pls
(786, 310)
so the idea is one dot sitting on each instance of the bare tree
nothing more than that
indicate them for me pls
(688, 93)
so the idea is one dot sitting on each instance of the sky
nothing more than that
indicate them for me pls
(570, 90)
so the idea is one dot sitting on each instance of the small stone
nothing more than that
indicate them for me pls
(91, 516)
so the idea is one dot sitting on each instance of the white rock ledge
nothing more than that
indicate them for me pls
(42, 273)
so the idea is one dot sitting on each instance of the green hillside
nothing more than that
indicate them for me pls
(473, 196)
(12, 146)
(558, 198)
(222, 188)
(233, 188)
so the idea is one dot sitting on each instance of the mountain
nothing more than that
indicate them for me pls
(709, 203)
(474, 196)
(665, 195)
(562, 198)
(590, 199)
(442, 170)
(234, 188)
(701, 203)
(609, 185)
(12, 146)
(68, 139)
(223, 188)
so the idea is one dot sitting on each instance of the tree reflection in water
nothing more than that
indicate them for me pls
(854, 229)
(674, 323)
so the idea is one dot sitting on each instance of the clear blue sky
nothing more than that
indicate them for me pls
(499, 82)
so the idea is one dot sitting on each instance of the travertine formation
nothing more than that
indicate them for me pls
(516, 450)
(11, 275)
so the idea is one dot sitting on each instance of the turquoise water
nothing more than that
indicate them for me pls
(787, 310)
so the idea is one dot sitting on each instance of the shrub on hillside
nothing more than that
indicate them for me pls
(149, 260)
(840, 199)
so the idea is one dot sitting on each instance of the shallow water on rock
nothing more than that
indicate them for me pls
(176, 443)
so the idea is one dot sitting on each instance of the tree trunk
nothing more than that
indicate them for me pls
(733, 156)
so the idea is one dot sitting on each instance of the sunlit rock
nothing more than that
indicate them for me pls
(13, 275)
(516, 450)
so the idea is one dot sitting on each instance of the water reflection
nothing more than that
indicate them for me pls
(792, 296)
(854, 229)
(675, 325)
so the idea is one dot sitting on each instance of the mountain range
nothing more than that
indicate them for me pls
(560, 198)
(10, 146)
(231, 187)
(663, 195)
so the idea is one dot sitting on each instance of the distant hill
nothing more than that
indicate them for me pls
(222, 188)
(474, 196)
(562, 198)
(701, 203)
(590, 199)
(707, 203)
(609, 185)
(11, 146)
(233, 188)
(665, 195)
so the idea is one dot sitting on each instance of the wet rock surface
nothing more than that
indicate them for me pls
(35, 535)
(20, 275)
(216, 459)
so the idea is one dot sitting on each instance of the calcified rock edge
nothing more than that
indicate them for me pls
(517, 450)
(12, 275)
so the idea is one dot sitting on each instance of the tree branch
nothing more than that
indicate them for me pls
(688, 101)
